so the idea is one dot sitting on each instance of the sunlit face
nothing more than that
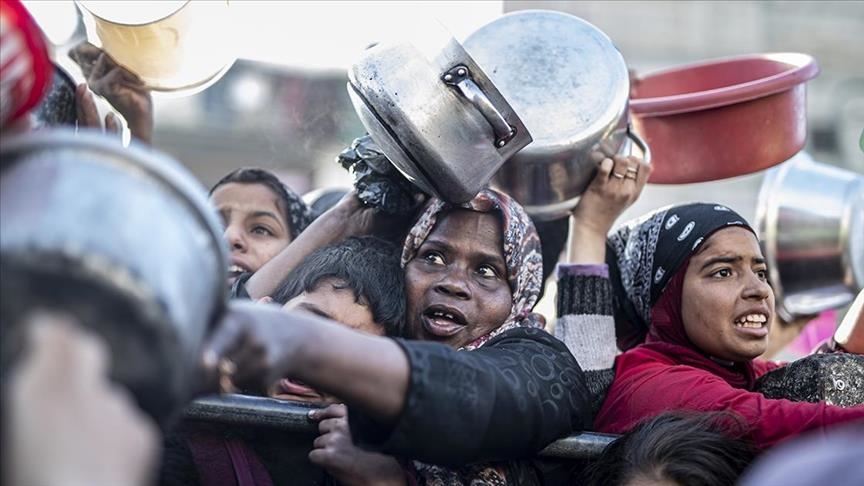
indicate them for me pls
(456, 284)
(727, 303)
(255, 225)
(333, 299)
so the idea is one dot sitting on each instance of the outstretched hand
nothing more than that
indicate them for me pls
(361, 219)
(246, 352)
(119, 86)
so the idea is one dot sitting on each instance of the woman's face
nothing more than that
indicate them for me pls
(255, 226)
(727, 303)
(456, 284)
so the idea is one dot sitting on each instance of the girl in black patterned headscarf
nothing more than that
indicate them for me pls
(697, 275)
(645, 253)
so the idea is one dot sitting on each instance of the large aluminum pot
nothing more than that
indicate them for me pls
(570, 85)
(123, 239)
(810, 217)
(435, 114)
(174, 46)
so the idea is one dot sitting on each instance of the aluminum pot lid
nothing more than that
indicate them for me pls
(562, 75)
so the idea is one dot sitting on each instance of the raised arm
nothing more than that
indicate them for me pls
(349, 217)
(119, 86)
(585, 321)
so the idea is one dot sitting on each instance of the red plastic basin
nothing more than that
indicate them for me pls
(723, 118)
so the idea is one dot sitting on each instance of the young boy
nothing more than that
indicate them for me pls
(358, 283)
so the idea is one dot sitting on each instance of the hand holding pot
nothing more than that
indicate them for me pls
(119, 86)
(616, 186)
(361, 219)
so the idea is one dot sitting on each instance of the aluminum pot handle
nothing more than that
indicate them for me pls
(643, 146)
(460, 77)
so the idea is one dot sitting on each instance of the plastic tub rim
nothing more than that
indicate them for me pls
(802, 68)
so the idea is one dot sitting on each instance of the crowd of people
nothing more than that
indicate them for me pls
(414, 342)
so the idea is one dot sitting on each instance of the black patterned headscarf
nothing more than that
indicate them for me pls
(522, 254)
(645, 253)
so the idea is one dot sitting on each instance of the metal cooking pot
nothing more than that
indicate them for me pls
(810, 217)
(435, 114)
(176, 46)
(570, 85)
(123, 239)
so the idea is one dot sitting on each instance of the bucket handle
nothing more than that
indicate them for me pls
(460, 77)
(642, 144)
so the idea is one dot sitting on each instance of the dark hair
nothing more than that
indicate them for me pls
(296, 211)
(368, 265)
(696, 449)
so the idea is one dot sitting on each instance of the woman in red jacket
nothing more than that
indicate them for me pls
(695, 277)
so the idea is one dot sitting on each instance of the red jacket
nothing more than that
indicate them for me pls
(669, 373)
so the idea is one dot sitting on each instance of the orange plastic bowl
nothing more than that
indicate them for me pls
(723, 118)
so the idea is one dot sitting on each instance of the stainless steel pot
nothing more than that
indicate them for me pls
(810, 217)
(123, 239)
(570, 85)
(435, 114)
(174, 46)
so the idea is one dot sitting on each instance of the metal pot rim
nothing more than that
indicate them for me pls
(168, 172)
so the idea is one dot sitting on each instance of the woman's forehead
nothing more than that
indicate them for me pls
(733, 240)
(248, 197)
(473, 228)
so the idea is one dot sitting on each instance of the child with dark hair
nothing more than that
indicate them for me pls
(365, 268)
(696, 449)
(358, 283)
(261, 216)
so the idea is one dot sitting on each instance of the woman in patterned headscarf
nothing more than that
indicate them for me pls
(694, 276)
(486, 384)
(491, 247)
(473, 272)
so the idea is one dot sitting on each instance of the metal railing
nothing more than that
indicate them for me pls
(248, 411)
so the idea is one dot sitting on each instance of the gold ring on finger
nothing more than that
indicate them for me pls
(631, 175)
(618, 175)
(632, 170)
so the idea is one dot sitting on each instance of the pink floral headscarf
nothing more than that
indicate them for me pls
(522, 254)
